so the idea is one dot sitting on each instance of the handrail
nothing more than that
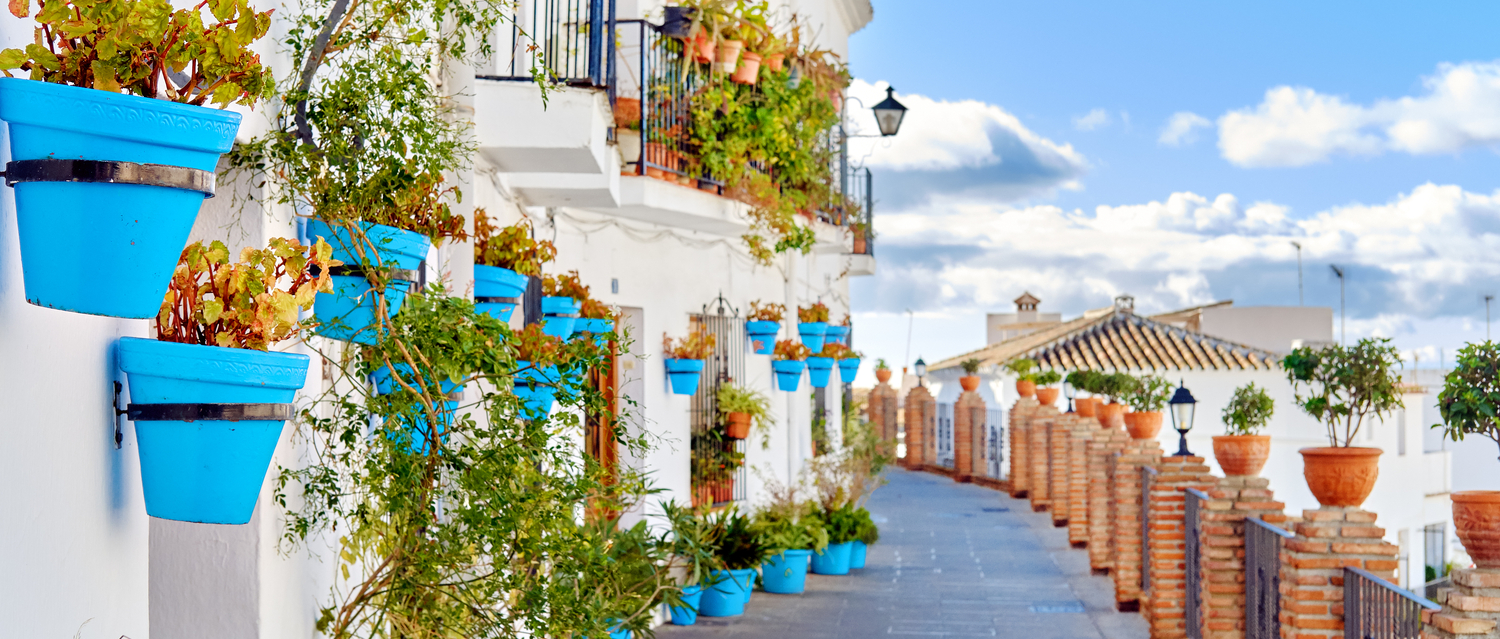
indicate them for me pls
(1193, 560)
(1285, 534)
(1263, 544)
(1380, 581)
(1378, 609)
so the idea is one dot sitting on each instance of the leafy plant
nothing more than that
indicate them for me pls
(1046, 378)
(849, 353)
(511, 247)
(768, 312)
(699, 344)
(970, 366)
(818, 312)
(1341, 385)
(865, 529)
(790, 350)
(1248, 410)
(533, 345)
(1116, 386)
(145, 48)
(692, 544)
(1022, 368)
(626, 573)
(880, 365)
(1087, 381)
(1149, 393)
(738, 545)
(834, 350)
(1471, 393)
(841, 523)
(780, 532)
(252, 303)
(733, 398)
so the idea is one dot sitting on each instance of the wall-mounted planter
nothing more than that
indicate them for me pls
(812, 334)
(786, 573)
(788, 373)
(348, 313)
(107, 187)
(600, 329)
(836, 334)
(834, 560)
(418, 433)
(687, 614)
(848, 368)
(559, 314)
(819, 369)
(497, 290)
(858, 551)
(537, 389)
(762, 336)
(208, 469)
(684, 375)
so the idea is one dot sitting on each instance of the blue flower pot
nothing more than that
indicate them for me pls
(812, 334)
(848, 369)
(819, 369)
(762, 336)
(600, 329)
(788, 374)
(206, 471)
(493, 281)
(100, 248)
(836, 334)
(616, 632)
(834, 560)
(857, 554)
(684, 375)
(348, 313)
(786, 573)
(748, 574)
(537, 389)
(417, 433)
(559, 315)
(687, 614)
(725, 594)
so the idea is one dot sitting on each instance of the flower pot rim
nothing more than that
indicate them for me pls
(1340, 451)
(1476, 496)
(177, 130)
(1242, 437)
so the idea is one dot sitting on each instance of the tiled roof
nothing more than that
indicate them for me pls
(1108, 339)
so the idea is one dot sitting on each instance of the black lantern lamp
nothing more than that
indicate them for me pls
(1182, 406)
(921, 368)
(888, 113)
(1069, 392)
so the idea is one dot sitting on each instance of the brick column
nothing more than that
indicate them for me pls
(1081, 434)
(1041, 452)
(1312, 568)
(1020, 446)
(1103, 445)
(1470, 608)
(1165, 604)
(1059, 471)
(1223, 550)
(881, 410)
(920, 409)
(1125, 519)
(968, 435)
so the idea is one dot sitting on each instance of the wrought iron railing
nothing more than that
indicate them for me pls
(568, 39)
(1148, 478)
(1263, 579)
(1432, 588)
(945, 435)
(708, 441)
(1193, 562)
(1377, 609)
(995, 423)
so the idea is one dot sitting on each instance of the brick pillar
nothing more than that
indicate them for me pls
(1059, 471)
(1312, 568)
(1103, 445)
(1165, 604)
(881, 410)
(1470, 608)
(1041, 453)
(1020, 446)
(968, 435)
(1125, 519)
(920, 409)
(1080, 435)
(1223, 550)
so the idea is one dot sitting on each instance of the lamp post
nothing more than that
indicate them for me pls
(921, 368)
(889, 113)
(888, 116)
(1182, 407)
(1069, 392)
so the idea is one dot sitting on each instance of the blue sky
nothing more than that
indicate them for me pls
(1366, 131)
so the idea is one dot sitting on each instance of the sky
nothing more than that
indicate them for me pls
(1174, 151)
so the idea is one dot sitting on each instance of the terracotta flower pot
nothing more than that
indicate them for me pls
(1341, 476)
(1144, 424)
(737, 425)
(749, 69)
(773, 61)
(728, 55)
(1026, 389)
(1111, 415)
(1242, 455)
(883, 375)
(969, 382)
(703, 48)
(1085, 406)
(859, 245)
(703, 495)
(1476, 516)
(1045, 396)
(723, 490)
(627, 112)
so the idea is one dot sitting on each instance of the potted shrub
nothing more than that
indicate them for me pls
(843, 527)
(812, 325)
(1340, 386)
(1022, 369)
(504, 259)
(789, 536)
(739, 407)
(1115, 386)
(99, 160)
(684, 359)
(1242, 451)
(562, 299)
(741, 550)
(849, 364)
(866, 533)
(693, 557)
(1468, 404)
(1045, 382)
(970, 380)
(763, 325)
(820, 366)
(882, 371)
(539, 356)
(838, 333)
(1088, 382)
(210, 364)
(1146, 396)
(787, 362)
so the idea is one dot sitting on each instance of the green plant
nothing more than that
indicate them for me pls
(738, 545)
(841, 523)
(1341, 385)
(1248, 410)
(1149, 393)
(865, 529)
(1086, 381)
(1116, 386)
(880, 365)
(249, 304)
(699, 344)
(818, 312)
(970, 366)
(692, 545)
(790, 350)
(768, 312)
(849, 353)
(1022, 368)
(732, 398)
(511, 247)
(1047, 378)
(145, 48)
(779, 532)
(1471, 393)
(835, 350)
(625, 573)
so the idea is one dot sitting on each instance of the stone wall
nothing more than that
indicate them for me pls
(881, 410)
(1125, 518)
(1222, 539)
(1471, 607)
(1312, 568)
(1164, 603)
(1020, 446)
(1103, 445)
(968, 436)
(921, 409)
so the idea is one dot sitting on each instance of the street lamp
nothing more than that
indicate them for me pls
(1182, 406)
(888, 113)
(921, 368)
(1069, 392)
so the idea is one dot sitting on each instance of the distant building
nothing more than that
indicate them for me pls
(1274, 328)
(1000, 327)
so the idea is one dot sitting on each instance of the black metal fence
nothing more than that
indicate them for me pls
(710, 448)
(1193, 560)
(1148, 478)
(1377, 609)
(568, 39)
(1263, 579)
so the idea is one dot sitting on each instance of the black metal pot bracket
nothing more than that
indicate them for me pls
(483, 299)
(410, 276)
(207, 412)
(110, 172)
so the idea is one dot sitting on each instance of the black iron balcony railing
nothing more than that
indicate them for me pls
(568, 39)
(1376, 609)
(1148, 479)
(1193, 562)
(1263, 579)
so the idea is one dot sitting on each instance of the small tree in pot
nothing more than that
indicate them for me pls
(1468, 403)
(1115, 386)
(1045, 382)
(739, 407)
(1242, 451)
(970, 380)
(1147, 396)
(882, 371)
(1023, 369)
(1088, 382)
(1340, 386)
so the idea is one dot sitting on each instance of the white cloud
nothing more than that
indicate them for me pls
(1296, 126)
(1095, 119)
(1181, 128)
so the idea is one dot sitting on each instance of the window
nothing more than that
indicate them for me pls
(718, 462)
(1434, 539)
(1400, 432)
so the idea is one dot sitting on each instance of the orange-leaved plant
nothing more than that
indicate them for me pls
(818, 312)
(699, 344)
(768, 312)
(510, 247)
(251, 303)
(788, 349)
(834, 350)
(538, 348)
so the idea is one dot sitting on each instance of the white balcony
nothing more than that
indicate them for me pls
(557, 154)
(660, 202)
(861, 264)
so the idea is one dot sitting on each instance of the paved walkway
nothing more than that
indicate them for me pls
(954, 560)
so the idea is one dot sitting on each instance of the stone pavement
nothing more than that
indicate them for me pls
(954, 560)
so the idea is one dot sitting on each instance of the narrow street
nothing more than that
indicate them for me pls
(954, 560)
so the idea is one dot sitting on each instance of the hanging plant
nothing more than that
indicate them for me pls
(684, 359)
(762, 326)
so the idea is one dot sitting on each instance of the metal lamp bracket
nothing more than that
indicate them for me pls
(109, 172)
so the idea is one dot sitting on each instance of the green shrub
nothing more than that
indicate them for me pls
(1248, 411)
